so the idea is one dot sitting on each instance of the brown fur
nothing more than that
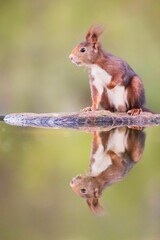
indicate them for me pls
(121, 73)
(91, 187)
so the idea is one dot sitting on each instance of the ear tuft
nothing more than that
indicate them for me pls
(93, 34)
(93, 204)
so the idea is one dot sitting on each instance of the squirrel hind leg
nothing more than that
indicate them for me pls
(135, 96)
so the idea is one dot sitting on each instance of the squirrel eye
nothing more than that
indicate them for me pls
(82, 49)
(83, 190)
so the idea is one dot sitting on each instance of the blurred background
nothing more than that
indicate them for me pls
(37, 37)
(36, 165)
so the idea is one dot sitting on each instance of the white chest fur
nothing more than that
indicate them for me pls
(117, 142)
(101, 161)
(101, 77)
(117, 96)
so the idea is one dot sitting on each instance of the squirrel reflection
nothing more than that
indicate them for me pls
(113, 154)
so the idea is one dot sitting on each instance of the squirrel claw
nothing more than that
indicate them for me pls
(135, 111)
(88, 109)
(138, 128)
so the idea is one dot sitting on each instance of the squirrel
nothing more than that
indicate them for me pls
(113, 83)
(113, 155)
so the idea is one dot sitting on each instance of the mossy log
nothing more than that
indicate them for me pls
(82, 120)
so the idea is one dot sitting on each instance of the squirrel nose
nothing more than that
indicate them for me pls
(71, 57)
(71, 183)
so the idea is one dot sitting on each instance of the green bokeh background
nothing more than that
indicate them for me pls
(36, 165)
(37, 37)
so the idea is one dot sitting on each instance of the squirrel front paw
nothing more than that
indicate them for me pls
(88, 109)
(111, 85)
(135, 111)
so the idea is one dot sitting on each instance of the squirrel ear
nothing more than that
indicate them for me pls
(93, 204)
(93, 35)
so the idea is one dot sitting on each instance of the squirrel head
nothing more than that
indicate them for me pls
(87, 187)
(87, 52)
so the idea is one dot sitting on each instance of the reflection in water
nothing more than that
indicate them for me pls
(113, 154)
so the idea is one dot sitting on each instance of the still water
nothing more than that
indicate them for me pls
(75, 185)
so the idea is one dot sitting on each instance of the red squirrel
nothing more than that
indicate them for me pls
(113, 154)
(113, 83)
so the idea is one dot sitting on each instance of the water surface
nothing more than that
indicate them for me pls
(37, 202)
